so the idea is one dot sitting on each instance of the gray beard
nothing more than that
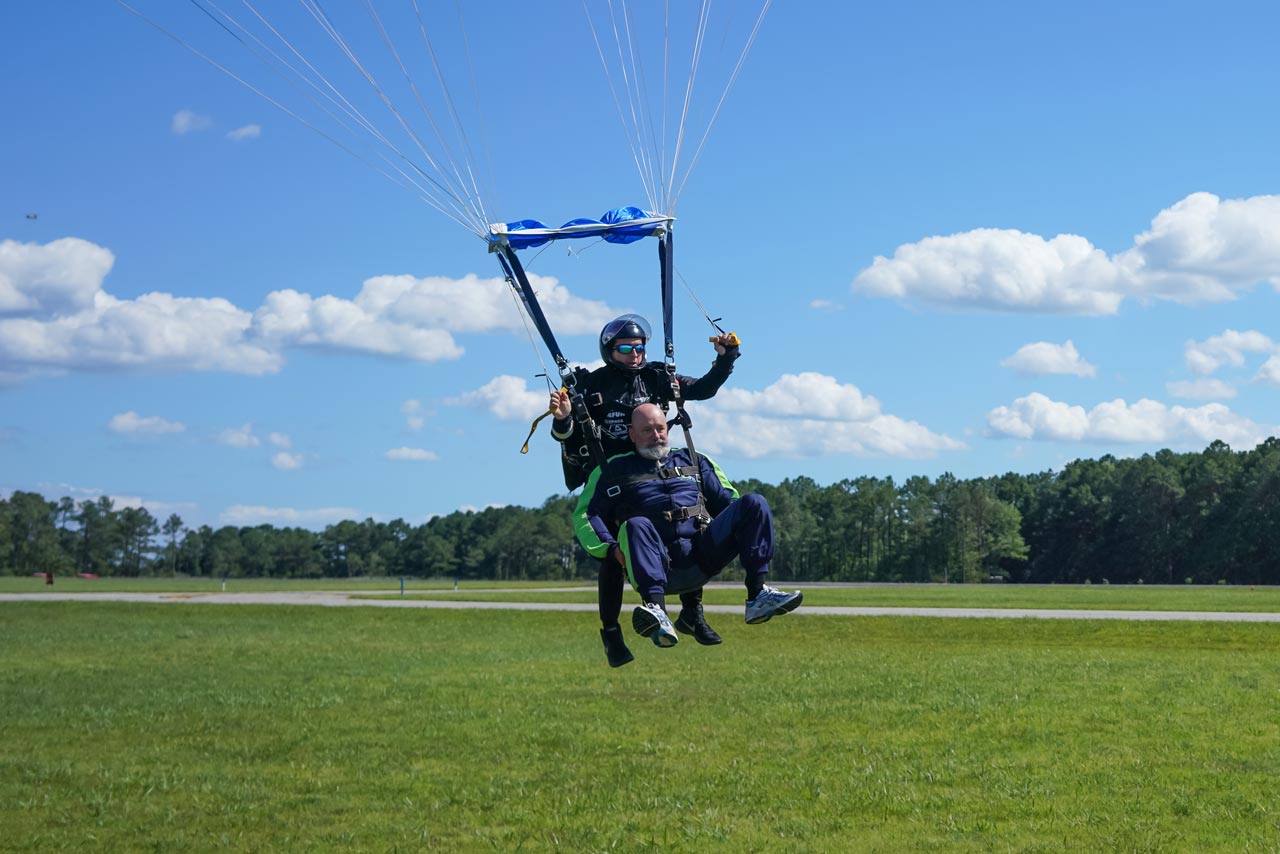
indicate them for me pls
(654, 452)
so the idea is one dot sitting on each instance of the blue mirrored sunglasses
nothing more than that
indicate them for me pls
(628, 349)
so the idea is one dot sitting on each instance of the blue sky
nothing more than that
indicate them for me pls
(973, 239)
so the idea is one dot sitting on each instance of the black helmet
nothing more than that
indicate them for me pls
(626, 326)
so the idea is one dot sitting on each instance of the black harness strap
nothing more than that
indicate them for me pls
(516, 277)
(625, 511)
(666, 260)
(661, 474)
(698, 510)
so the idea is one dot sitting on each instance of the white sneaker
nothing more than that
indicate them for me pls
(650, 621)
(772, 603)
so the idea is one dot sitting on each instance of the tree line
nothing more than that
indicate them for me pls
(1207, 517)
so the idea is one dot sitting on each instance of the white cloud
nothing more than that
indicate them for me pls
(42, 281)
(288, 318)
(188, 121)
(1206, 249)
(415, 454)
(1045, 358)
(1202, 249)
(471, 508)
(825, 305)
(1039, 418)
(800, 415)
(1001, 270)
(56, 317)
(132, 422)
(239, 437)
(1202, 389)
(473, 304)
(808, 394)
(246, 132)
(1226, 350)
(1269, 373)
(78, 494)
(154, 331)
(810, 415)
(413, 415)
(158, 509)
(248, 515)
(280, 440)
(285, 461)
(506, 397)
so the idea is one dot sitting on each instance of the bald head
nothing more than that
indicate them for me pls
(648, 431)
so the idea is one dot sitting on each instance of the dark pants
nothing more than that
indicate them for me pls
(744, 531)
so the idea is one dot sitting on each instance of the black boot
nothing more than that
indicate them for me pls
(692, 622)
(615, 647)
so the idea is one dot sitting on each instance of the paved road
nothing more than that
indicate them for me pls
(346, 599)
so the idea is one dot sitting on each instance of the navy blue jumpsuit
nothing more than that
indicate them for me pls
(675, 528)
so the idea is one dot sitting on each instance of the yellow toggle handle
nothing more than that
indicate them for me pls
(551, 410)
(734, 340)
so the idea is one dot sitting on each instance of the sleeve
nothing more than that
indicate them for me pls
(588, 519)
(717, 491)
(562, 428)
(706, 386)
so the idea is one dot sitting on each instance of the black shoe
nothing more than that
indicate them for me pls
(615, 647)
(692, 622)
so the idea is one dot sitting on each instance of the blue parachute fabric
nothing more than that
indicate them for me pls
(620, 225)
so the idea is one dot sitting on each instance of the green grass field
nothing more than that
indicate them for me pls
(258, 728)
(1062, 596)
(75, 584)
(1054, 597)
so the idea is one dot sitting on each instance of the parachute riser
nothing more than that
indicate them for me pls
(666, 260)
(516, 277)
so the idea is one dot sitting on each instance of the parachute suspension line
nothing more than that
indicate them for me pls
(336, 98)
(755, 30)
(634, 140)
(272, 101)
(476, 210)
(715, 322)
(478, 221)
(475, 99)
(459, 128)
(666, 90)
(424, 193)
(704, 12)
(663, 176)
(340, 102)
(641, 97)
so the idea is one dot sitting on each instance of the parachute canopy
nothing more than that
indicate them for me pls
(620, 225)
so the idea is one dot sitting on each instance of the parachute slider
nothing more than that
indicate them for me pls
(620, 225)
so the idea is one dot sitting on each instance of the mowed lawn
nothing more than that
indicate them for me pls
(268, 728)
(1002, 596)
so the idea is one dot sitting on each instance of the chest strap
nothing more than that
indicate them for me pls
(661, 474)
(697, 510)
